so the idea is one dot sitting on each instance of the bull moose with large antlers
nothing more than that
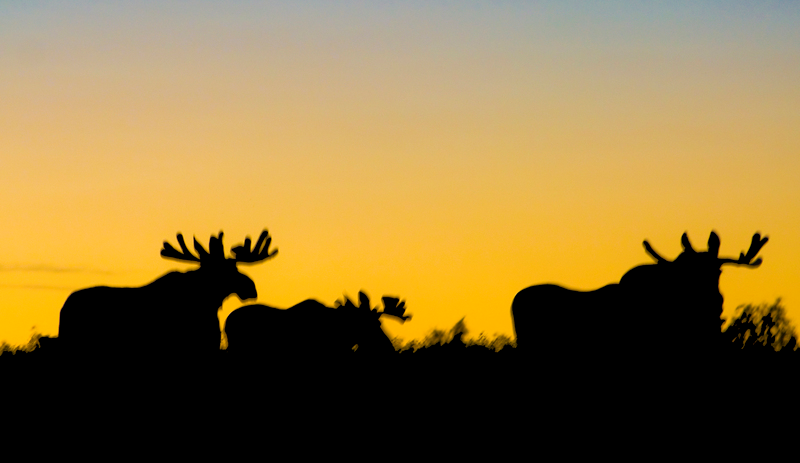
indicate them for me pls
(666, 308)
(311, 330)
(176, 313)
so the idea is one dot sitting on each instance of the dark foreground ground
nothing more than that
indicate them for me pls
(447, 373)
(434, 404)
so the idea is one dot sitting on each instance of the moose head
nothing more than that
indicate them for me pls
(361, 323)
(693, 276)
(223, 270)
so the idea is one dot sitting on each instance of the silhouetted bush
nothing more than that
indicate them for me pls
(761, 329)
(32, 344)
(449, 357)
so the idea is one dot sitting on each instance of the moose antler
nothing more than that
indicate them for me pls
(363, 302)
(243, 254)
(395, 307)
(653, 253)
(215, 246)
(345, 303)
(747, 259)
(216, 251)
(392, 306)
(170, 252)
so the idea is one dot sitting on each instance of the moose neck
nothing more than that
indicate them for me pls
(198, 288)
(375, 341)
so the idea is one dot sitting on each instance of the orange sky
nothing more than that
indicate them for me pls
(448, 155)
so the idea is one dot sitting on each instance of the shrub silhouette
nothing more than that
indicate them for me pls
(30, 346)
(761, 328)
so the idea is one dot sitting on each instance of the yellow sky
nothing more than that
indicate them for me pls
(450, 156)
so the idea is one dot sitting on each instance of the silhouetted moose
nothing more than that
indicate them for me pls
(631, 317)
(175, 314)
(310, 330)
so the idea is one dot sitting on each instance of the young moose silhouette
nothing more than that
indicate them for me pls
(636, 315)
(176, 313)
(310, 330)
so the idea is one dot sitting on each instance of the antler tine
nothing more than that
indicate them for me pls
(345, 302)
(745, 259)
(243, 253)
(755, 245)
(262, 244)
(184, 248)
(363, 300)
(200, 250)
(653, 253)
(170, 252)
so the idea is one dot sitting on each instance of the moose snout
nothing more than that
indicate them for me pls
(246, 289)
(249, 293)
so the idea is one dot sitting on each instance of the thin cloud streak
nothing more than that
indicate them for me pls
(37, 287)
(47, 268)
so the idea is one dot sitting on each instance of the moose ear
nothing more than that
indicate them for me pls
(215, 247)
(713, 244)
(363, 300)
(687, 246)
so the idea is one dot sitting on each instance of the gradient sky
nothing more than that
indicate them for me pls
(449, 153)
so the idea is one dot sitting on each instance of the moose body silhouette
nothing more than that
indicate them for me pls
(175, 314)
(664, 309)
(310, 330)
